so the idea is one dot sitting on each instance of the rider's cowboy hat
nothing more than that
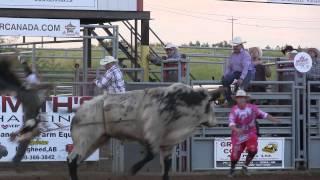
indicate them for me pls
(241, 93)
(107, 60)
(237, 41)
(170, 46)
(288, 49)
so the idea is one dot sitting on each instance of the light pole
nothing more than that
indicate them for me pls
(232, 20)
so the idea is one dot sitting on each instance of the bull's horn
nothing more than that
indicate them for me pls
(215, 94)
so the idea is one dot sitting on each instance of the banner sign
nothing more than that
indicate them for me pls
(39, 27)
(302, 62)
(310, 2)
(49, 146)
(270, 154)
(103, 5)
(50, 4)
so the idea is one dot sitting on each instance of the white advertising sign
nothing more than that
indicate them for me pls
(311, 2)
(302, 62)
(39, 27)
(270, 154)
(50, 4)
(49, 146)
(104, 5)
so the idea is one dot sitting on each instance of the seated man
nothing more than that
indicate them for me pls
(314, 73)
(239, 67)
(172, 54)
(289, 52)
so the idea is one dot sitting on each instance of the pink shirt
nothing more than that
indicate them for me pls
(245, 119)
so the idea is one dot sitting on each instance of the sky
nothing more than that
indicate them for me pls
(182, 21)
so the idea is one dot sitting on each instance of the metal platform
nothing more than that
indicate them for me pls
(85, 16)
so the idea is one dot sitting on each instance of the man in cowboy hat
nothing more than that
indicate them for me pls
(112, 81)
(172, 53)
(239, 67)
(242, 121)
(314, 73)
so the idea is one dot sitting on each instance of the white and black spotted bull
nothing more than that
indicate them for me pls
(158, 118)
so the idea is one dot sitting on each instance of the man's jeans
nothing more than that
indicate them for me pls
(228, 79)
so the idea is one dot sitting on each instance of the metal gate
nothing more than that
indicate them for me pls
(313, 124)
(202, 144)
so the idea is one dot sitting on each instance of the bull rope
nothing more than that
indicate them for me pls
(64, 127)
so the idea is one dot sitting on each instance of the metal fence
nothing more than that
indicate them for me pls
(313, 124)
(292, 101)
(202, 142)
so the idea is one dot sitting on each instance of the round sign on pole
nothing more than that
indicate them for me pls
(303, 62)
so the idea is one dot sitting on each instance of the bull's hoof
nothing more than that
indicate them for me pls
(16, 160)
(134, 170)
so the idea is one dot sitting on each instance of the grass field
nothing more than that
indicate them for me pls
(61, 60)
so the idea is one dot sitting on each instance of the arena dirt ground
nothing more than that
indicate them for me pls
(270, 175)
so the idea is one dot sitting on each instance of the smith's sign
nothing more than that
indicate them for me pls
(9, 104)
(51, 145)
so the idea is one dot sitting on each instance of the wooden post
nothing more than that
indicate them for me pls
(145, 48)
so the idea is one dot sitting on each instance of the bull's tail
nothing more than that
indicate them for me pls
(73, 157)
(72, 161)
(86, 139)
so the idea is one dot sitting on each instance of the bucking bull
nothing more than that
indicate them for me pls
(31, 99)
(157, 118)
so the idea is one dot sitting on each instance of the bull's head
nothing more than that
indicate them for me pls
(211, 120)
(207, 99)
(213, 96)
(198, 101)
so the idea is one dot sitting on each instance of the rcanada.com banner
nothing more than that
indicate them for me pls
(39, 27)
(49, 146)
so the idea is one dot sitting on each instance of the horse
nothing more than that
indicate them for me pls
(31, 98)
(158, 118)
